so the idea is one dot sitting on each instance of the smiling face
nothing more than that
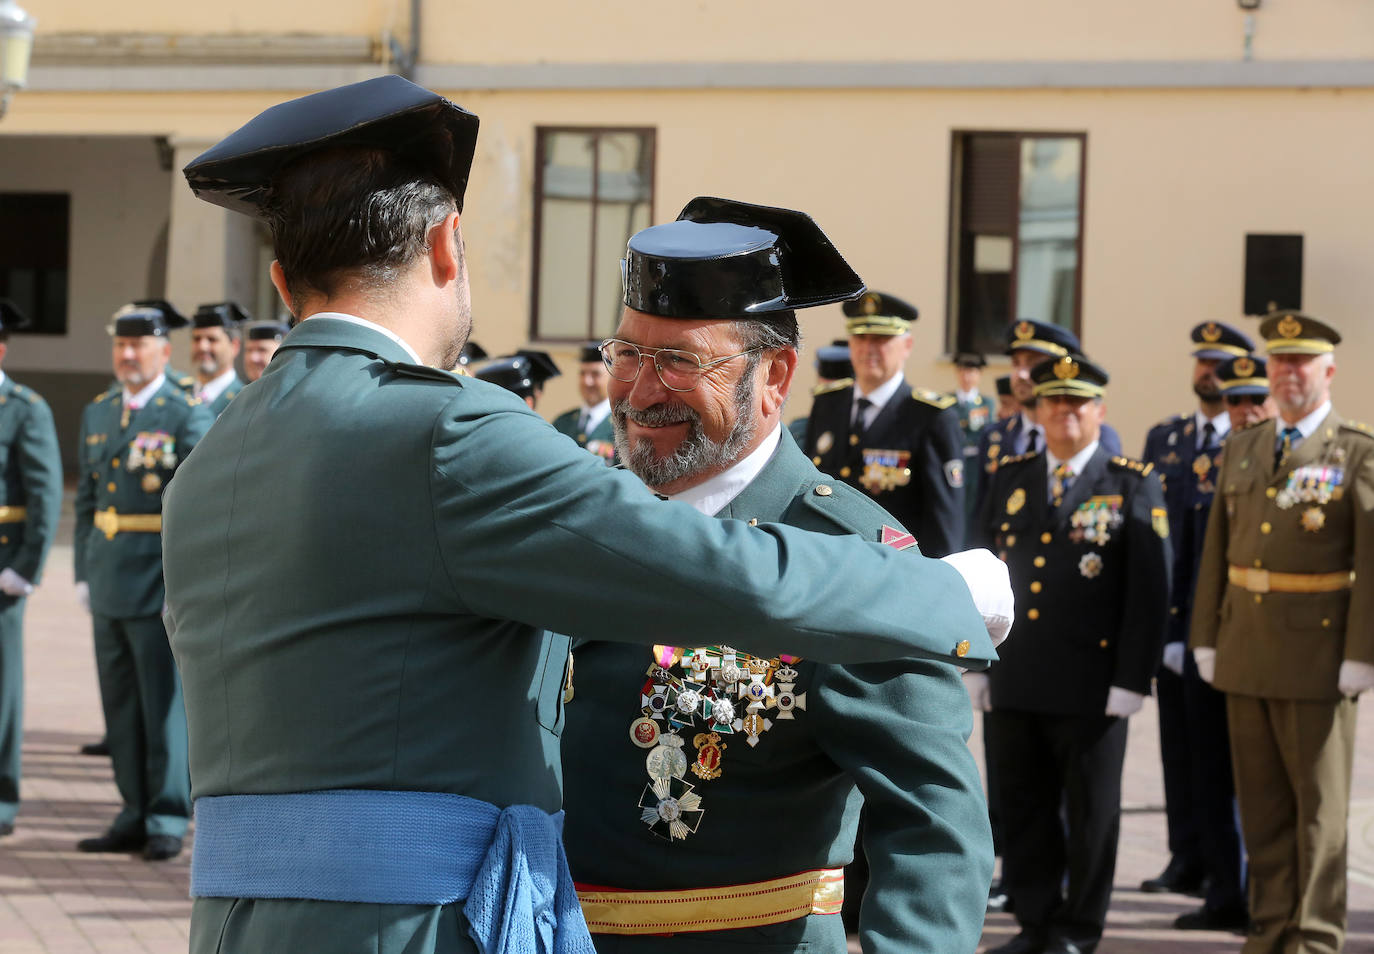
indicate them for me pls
(876, 358)
(1071, 423)
(591, 382)
(213, 350)
(139, 359)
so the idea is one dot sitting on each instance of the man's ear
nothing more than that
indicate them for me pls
(279, 283)
(778, 367)
(446, 250)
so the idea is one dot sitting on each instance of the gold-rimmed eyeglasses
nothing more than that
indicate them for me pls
(678, 370)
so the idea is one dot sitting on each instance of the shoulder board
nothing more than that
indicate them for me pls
(192, 400)
(1250, 426)
(838, 384)
(1140, 467)
(1173, 419)
(103, 395)
(933, 398)
(428, 374)
(1359, 427)
(1017, 458)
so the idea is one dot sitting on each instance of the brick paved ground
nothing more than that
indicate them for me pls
(56, 900)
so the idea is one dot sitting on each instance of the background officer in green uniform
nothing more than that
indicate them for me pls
(1281, 626)
(816, 741)
(372, 745)
(32, 487)
(216, 339)
(172, 320)
(975, 414)
(133, 438)
(1084, 534)
(900, 445)
(590, 424)
(262, 339)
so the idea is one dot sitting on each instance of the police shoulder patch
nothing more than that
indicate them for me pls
(1140, 467)
(933, 398)
(837, 385)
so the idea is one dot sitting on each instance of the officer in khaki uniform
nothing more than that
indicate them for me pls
(1282, 627)
(799, 740)
(133, 439)
(31, 484)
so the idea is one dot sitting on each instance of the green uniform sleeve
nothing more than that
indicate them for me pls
(85, 500)
(900, 730)
(40, 471)
(555, 540)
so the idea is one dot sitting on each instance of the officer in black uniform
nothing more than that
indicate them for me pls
(900, 445)
(834, 371)
(1199, 797)
(1084, 534)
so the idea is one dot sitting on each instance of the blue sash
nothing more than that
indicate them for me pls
(383, 847)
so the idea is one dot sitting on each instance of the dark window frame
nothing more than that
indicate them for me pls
(42, 320)
(955, 220)
(541, 134)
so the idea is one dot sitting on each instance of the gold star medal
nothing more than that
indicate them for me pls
(1313, 519)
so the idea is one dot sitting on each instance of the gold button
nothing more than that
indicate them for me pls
(1271, 492)
(961, 650)
(1326, 623)
(1259, 564)
(823, 490)
(1104, 644)
(1173, 610)
(1011, 539)
(115, 463)
(1266, 527)
(4, 539)
(1259, 598)
(816, 461)
(95, 475)
(753, 521)
(1006, 527)
(1032, 614)
(1039, 561)
(1046, 537)
(160, 401)
(853, 440)
(844, 471)
(110, 487)
(1036, 587)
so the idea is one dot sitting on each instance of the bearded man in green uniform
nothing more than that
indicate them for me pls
(374, 747)
(133, 438)
(32, 488)
(770, 737)
(1281, 626)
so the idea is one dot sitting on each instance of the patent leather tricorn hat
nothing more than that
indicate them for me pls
(728, 259)
(387, 112)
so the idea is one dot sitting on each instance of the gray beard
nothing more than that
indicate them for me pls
(697, 454)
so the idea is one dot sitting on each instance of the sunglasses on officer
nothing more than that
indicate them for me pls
(1236, 400)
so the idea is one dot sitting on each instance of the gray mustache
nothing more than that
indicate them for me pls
(657, 415)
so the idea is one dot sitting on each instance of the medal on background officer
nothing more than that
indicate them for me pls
(216, 340)
(1007, 405)
(134, 437)
(834, 371)
(1084, 534)
(798, 736)
(900, 445)
(1199, 797)
(1283, 629)
(434, 528)
(31, 481)
(975, 413)
(590, 424)
(261, 341)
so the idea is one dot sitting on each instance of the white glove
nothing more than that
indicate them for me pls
(83, 595)
(990, 585)
(1123, 702)
(979, 690)
(1173, 657)
(1206, 659)
(1355, 677)
(12, 584)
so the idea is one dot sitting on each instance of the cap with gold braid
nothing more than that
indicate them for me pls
(1248, 374)
(1042, 337)
(1072, 375)
(878, 313)
(1288, 332)
(1212, 339)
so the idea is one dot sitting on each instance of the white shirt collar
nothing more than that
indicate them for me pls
(142, 397)
(1028, 425)
(1221, 424)
(210, 392)
(355, 320)
(1076, 463)
(882, 393)
(711, 496)
(596, 414)
(1309, 423)
(966, 397)
(2, 377)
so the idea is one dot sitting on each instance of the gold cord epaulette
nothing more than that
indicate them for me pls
(1140, 467)
(839, 384)
(933, 398)
(1017, 458)
(1359, 427)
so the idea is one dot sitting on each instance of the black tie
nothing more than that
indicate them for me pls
(1209, 437)
(582, 421)
(861, 415)
(1033, 440)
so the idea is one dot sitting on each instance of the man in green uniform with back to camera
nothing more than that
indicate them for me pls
(374, 748)
(590, 424)
(766, 738)
(1283, 624)
(133, 438)
(32, 485)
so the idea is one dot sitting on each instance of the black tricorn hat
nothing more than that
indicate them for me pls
(511, 373)
(833, 362)
(542, 366)
(266, 331)
(589, 352)
(147, 316)
(388, 112)
(970, 359)
(11, 318)
(728, 259)
(471, 352)
(224, 314)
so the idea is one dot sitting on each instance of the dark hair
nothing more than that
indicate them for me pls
(351, 211)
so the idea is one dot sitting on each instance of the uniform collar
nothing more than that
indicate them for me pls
(210, 392)
(1221, 424)
(597, 413)
(713, 495)
(144, 396)
(364, 323)
(1077, 462)
(1308, 424)
(968, 397)
(882, 393)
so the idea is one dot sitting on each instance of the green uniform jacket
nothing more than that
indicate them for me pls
(1289, 645)
(601, 441)
(218, 405)
(32, 467)
(890, 734)
(126, 468)
(362, 555)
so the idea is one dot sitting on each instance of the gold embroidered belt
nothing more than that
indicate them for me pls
(13, 514)
(1268, 581)
(109, 522)
(613, 911)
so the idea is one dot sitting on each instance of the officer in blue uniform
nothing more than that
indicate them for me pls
(261, 341)
(374, 748)
(590, 424)
(1084, 534)
(834, 371)
(1204, 836)
(216, 339)
(900, 445)
(801, 740)
(32, 488)
(134, 437)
